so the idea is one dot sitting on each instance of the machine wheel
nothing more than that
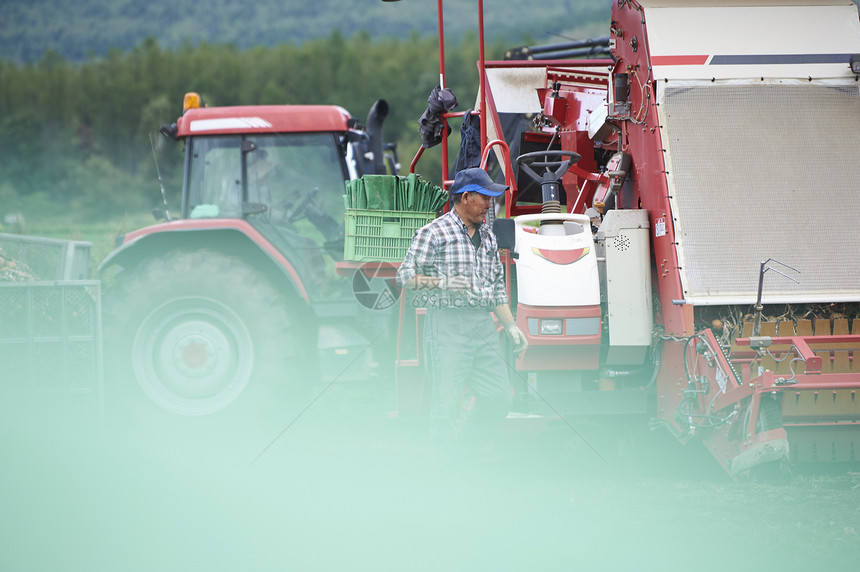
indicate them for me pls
(200, 330)
(769, 415)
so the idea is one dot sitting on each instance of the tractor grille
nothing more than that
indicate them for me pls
(760, 171)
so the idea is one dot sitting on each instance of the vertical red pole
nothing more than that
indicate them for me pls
(441, 44)
(445, 174)
(482, 72)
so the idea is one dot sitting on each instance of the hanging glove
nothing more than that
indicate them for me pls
(430, 123)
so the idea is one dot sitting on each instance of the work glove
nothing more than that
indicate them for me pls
(454, 283)
(517, 337)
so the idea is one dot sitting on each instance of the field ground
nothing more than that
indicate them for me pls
(343, 486)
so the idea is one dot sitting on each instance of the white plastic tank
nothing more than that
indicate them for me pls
(557, 264)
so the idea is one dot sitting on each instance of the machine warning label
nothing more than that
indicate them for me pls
(722, 380)
(660, 227)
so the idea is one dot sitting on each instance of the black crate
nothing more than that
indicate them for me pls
(50, 338)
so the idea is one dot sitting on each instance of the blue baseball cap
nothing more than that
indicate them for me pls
(476, 180)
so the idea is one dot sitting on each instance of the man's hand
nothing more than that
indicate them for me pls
(454, 283)
(517, 337)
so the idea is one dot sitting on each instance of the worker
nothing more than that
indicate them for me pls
(453, 264)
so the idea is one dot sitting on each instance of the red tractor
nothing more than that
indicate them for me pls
(239, 293)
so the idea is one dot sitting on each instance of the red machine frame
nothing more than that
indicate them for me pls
(722, 405)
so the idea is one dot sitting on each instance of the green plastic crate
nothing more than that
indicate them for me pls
(384, 236)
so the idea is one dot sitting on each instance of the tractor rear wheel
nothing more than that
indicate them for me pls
(198, 331)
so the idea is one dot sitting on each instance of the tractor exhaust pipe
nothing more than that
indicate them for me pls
(375, 117)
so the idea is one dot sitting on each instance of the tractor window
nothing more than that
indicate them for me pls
(295, 176)
(300, 178)
(214, 182)
(293, 191)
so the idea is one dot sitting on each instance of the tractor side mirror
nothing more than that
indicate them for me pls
(505, 231)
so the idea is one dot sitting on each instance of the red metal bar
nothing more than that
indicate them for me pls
(811, 340)
(590, 183)
(400, 315)
(375, 268)
(439, 11)
(732, 396)
(588, 175)
(767, 383)
(510, 181)
(820, 386)
(801, 345)
(441, 44)
(506, 155)
(415, 160)
(483, 73)
(509, 177)
(846, 424)
(409, 381)
(813, 362)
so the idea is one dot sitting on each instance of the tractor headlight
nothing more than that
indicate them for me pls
(552, 327)
(854, 62)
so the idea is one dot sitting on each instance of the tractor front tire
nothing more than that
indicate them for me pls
(200, 331)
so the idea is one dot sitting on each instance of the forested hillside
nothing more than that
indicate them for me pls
(78, 29)
(75, 138)
(75, 135)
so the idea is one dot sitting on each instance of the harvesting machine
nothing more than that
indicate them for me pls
(683, 225)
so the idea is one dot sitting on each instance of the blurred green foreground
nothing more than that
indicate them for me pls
(343, 486)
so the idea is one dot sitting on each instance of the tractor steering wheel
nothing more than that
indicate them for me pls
(295, 214)
(290, 215)
(558, 162)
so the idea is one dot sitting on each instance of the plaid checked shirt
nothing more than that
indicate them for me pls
(443, 248)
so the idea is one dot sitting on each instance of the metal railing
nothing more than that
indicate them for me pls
(49, 258)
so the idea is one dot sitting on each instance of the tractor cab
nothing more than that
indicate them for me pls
(281, 169)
